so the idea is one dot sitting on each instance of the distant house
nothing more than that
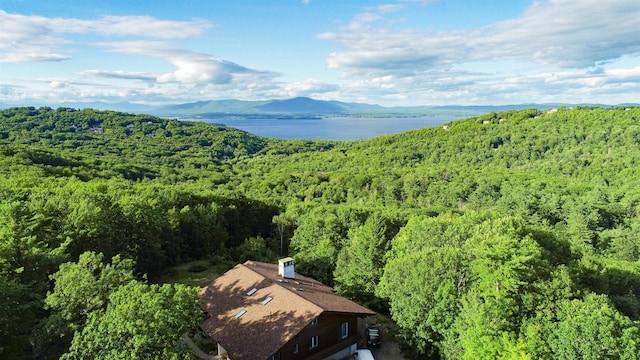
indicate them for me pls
(260, 311)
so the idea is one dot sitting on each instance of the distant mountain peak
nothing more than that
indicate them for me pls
(302, 105)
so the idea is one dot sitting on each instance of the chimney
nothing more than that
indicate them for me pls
(285, 268)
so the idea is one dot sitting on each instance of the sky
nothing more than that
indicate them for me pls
(392, 53)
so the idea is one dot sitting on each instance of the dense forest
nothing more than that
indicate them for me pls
(509, 235)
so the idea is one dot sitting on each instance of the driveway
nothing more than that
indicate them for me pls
(389, 349)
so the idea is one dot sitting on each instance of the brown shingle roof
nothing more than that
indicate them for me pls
(265, 328)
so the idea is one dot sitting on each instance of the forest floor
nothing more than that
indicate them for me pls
(195, 273)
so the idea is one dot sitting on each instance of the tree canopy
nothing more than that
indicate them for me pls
(508, 235)
(140, 321)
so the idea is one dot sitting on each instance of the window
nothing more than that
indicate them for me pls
(314, 341)
(344, 330)
(296, 348)
(251, 291)
(314, 321)
(275, 356)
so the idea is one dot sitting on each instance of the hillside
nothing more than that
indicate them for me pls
(93, 143)
(507, 234)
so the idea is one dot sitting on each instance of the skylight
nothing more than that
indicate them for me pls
(240, 313)
(252, 291)
(266, 300)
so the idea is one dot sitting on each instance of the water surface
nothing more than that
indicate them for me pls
(334, 128)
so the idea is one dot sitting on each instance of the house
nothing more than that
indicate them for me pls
(261, 311)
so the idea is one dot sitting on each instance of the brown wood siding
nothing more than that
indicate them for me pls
(328, 329)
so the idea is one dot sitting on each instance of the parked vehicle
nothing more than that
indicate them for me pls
(373, 335)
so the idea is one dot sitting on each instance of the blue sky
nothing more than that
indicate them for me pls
(393, 53)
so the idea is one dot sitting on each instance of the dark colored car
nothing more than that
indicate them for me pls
(373, 335)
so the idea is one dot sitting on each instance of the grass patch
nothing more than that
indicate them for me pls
(196, 268)
(185, 274)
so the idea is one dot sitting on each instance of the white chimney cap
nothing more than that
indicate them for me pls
(286, 269)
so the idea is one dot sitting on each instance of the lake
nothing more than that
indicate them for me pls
(333, 128)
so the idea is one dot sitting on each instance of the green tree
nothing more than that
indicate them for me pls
(625, 244)
(283, 225)
(140, 322)
(18, 310)
(81, 288)
(255, 248)
(481, 331)
(361, 262)
(314, 246)
(503, 260)
(588, 328)
(504, 263)
(27, 249)
(425, 276)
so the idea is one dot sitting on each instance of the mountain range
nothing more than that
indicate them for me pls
(299, 107)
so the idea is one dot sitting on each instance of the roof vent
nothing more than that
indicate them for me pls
(285, 268)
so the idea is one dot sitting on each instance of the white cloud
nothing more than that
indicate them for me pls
(118, 74)
(31, 56)
(145, 26)
(197, 75)
(57, 84)
(36, 38)
(556, 50)
(192, 66)
(560, 32)
(550, 37)
(28, 38)
(564, 32)
(386, 8)
(309, 87)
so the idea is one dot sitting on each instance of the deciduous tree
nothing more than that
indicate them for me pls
(140, 321)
